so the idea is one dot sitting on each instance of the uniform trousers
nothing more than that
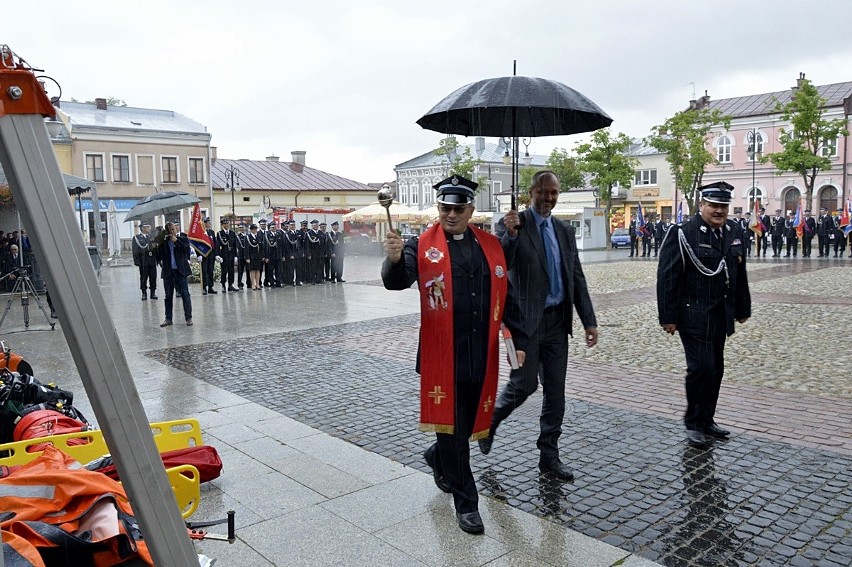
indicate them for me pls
(227, 267)
(792, 242)
(451, 451)
(148, 278)
(241, 268)
(207, 272)
(705, 366)
(546, 361)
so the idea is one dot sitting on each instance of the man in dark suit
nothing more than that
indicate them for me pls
(174, 260)
(776, 229)
(761, 243)
(659, 232)
(548, 281)
(145, 258)
(241, 254)
(702, 288)
(338, 250)
(633, 231)
(808, 234)
(791, 235)
(458, 369)
(290, 253)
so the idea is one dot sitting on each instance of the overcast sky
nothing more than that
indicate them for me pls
(346, 80)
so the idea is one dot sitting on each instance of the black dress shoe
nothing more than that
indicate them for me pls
(556, 468)
(470, 522)
(485, 444)
(213, 291)
(166, 323)
(696, 438)
(440, 480)
(154, 296)
(716, 431)
(232, 288)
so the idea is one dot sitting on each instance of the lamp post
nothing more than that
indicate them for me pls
(232, 184)
(753, 152)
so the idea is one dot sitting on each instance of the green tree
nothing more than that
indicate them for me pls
(565, 167)
(456, 159)
(606, 160)
(683, 138)
(804, 140)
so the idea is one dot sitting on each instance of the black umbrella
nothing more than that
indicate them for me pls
(161, 204)
(517, 107)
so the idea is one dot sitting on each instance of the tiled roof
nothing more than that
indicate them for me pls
(638, 147)
(756, 105)
(492, 153)
(128, 118)
(265, 175)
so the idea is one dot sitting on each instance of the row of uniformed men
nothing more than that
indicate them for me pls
(284, 255)
(784, 233)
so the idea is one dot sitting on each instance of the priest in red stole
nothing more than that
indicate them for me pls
(460, 272)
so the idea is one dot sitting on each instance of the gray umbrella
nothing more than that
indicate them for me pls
(161, 204)
(515, 106)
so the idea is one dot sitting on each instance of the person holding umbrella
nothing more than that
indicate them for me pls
(461, 274)
(544, 268)
(174, 259)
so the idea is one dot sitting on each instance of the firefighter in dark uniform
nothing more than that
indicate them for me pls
(208, 262)
(338, 251)
(646, 232)
(702, 289)
(226, 244)
(659, 232)
(747, 232)
(825, 230)
(241, 255)
(302, 263)
(145, 258)
(326, 254)
(791, 235)
(316, 244)
(634, 236)
(808, 234)
(776, 229)
(290, 242)
(273, 248)
(760, 239)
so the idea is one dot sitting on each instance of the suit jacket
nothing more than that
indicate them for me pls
(181, 256)
(698, 304)
(528, 274)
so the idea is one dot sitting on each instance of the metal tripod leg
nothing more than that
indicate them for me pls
(24, 286)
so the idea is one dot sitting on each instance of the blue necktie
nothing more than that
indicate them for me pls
(552, 268)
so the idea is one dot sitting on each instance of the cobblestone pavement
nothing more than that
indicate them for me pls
(777, 493)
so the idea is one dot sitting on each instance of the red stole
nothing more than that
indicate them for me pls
(437, 368)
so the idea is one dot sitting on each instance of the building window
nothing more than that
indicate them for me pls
(170, 171)
(645, 177)
(755, 193)
(427, 197)
(196, 170)
(758, 149)
(403, 193)
(723, 149)
(829, 147)
(95, 167)
(326, 199)
(415, 190)
(496, 187)
(121, 169)
(145, 174)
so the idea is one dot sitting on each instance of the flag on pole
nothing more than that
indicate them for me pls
(679, 217)
(846, 219)
(756, 223)
(799, 221)
(640, 220)
(197, 236)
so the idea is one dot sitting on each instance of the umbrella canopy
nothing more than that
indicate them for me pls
(161, 204)
(376, 213)
(113, 235)
(77, 185)
(517, 107)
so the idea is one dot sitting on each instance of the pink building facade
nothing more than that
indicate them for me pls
(753, 118)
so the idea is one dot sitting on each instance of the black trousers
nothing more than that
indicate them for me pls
(546, 362)
(207, 272)
(705, 366)
(794, 244)
(289, 271)
(148, 278)
(646, 246)
(301, 269)
(824, 245)
(241, 269)
(839, 244)
(337, 268)
(634, 245)
(806, 245)
(227, 277)
(326, 269)
(452, 451)
(777, 245)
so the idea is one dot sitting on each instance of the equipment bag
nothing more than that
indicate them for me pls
(204, 458)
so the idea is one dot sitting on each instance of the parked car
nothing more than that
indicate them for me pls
(620, 238)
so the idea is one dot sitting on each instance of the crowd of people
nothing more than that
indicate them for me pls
(780, 232)
(255, 256)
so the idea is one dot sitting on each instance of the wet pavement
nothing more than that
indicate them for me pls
(340, 359)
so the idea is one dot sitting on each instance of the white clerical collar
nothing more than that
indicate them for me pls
(458, 236)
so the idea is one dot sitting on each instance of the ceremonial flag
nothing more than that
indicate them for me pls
(197, 236)
(846, 219)
(756, 223)
(640, 220)
(799, 221)
(679, 218)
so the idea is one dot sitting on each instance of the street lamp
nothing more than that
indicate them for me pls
(753, 152)
(527, 159)
(232, 184)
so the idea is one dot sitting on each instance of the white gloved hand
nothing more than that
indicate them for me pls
(219, 259)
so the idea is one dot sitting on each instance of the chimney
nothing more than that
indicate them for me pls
(298, 157)
(273, 157)
(480, 144)
(800, 81)
(100, 103)
(214, 152)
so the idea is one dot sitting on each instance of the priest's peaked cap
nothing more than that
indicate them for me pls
(455, 190)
